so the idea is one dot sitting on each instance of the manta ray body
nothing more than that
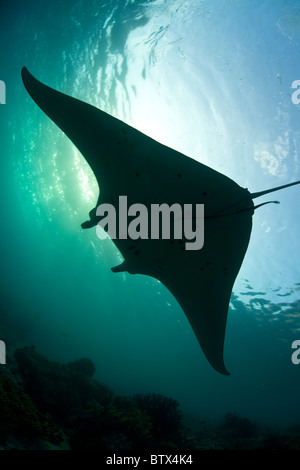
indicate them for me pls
(127, 162)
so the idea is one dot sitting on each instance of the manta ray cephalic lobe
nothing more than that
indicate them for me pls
(127, 162)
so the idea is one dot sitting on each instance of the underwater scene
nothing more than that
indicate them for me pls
(134, 344)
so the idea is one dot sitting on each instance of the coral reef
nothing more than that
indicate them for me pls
(50, 405)
(18, 415)
(20, 419)
(60, 389)
(88, 412)
(165, 417)
(237, 427)
(239, 433)
(119, 426)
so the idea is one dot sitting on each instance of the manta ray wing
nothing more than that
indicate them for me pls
(204, 285)
(127, 162)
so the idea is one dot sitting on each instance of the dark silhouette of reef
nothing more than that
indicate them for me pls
(51, 405)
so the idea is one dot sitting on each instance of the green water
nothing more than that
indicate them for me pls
(211, 79)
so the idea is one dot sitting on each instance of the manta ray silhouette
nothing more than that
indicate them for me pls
(127, 162)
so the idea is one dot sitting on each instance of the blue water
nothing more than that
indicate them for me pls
(211, 79)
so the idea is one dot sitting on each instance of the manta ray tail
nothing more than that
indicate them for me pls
(267, 191)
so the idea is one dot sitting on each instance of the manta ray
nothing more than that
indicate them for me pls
(126, 162)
